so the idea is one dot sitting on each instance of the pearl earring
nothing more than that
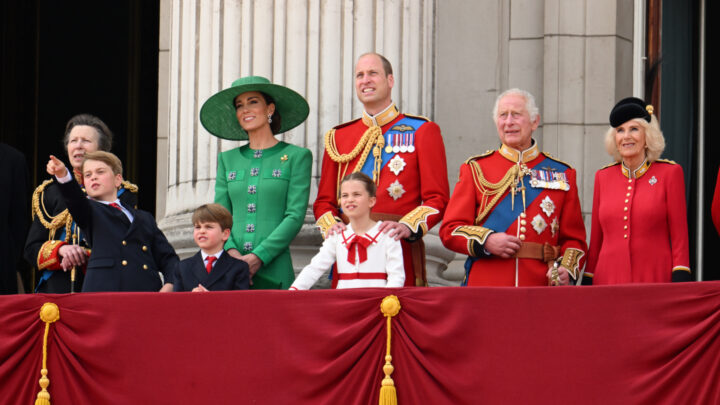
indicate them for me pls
(269, 118)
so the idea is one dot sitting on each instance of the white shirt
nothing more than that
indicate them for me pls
(383, 256)
(216, 255)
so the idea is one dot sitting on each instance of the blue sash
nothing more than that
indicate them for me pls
(413, 123)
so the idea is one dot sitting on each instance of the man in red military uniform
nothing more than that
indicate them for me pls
(515, 211)
(403, 154)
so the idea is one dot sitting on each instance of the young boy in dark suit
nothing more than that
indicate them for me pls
(211, 269)
(128, 249)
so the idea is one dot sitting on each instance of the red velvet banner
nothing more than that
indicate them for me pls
(635, 344)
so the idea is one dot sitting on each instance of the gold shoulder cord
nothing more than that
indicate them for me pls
(52, 223)
(488, 189)
(371, 139)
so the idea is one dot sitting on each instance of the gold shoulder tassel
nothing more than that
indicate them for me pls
(390, 307)
(49, 313)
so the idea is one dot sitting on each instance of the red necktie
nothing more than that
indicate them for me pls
(361, 244)
(210, 260)
(115, 205)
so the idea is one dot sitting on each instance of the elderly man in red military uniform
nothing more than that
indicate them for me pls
(515, 211)
(403, 154)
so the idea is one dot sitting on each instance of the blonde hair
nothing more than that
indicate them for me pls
(654, 140)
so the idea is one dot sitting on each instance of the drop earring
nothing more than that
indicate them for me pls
(269, 118)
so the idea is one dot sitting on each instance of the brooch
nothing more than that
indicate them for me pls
(653, 180)
(397, 164)
(284, 158)
(396, 190)
(232, 175)
(548, 206)
(539, 224)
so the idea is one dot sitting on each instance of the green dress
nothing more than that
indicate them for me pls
(267, 193)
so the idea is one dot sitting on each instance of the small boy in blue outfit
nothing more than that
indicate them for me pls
(211, 269)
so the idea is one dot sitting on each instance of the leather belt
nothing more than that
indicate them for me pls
(540, 251)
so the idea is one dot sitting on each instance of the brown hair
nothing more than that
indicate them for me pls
(213, 213)
(107, 158)
(363, 178)
(105, 136)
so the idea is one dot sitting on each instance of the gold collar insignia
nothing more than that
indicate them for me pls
(516, 156)
(382, 118)
(637, 173)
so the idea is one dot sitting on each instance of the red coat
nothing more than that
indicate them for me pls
(639, 225)
(715, 210)
(553, 216)
(420, 188)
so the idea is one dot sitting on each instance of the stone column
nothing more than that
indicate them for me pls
(308, 45)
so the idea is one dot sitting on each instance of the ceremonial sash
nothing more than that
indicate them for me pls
(406, 127)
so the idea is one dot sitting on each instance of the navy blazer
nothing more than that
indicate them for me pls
(228, 273)
(125, 256)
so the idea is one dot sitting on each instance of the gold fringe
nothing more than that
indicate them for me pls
(49, 313)
(390, 307)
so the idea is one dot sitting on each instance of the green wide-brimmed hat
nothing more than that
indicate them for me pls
(217, 115)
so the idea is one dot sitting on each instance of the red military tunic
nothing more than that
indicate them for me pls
(639, 224)
(482, 203)
(412, 186)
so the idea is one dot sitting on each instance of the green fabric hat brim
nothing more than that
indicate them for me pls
(218, 116)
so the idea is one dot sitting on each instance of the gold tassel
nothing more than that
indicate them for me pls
(49, 313)
(390, 307)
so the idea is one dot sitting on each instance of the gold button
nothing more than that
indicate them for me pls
(625, 236)
(523, 222)
(629, 180)
(145, 266)
(144, 248)
(627, 195)
(522, 215)
(626, 201)
(625, 227)
(625, 208)
(124, 243)
(124, 262)
(625, 218)
(522, 237)
(629, 187)
(522, 229)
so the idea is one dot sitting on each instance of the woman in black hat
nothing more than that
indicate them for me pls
(265, 184)
(639, 224)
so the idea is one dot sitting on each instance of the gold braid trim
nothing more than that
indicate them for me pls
(325, 222)
(372, 137)
(571, 261)
(416, 219)
(472, 233)
(133, 188)
(49, 313)
(488, 189)
(50, 222)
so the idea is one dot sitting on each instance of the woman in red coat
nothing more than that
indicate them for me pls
(639, 224)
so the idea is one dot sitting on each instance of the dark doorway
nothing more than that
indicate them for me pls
(64, 58)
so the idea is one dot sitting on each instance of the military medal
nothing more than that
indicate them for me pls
(396, 190)
(396, 148)
(554, 226)
(653, 180)
(411, 147)
(389, 148)
(397, 164)
(404, 147)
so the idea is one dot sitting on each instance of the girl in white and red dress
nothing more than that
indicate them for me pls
(365, 256)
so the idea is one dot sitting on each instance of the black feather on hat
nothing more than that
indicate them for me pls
(629, 108)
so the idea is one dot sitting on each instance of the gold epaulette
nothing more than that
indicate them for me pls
(610, 165)
(672, 162)
(420, 117)
(133, 188)
(344, 124)
(557, 160)
(471, 158)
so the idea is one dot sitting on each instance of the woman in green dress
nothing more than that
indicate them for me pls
(266, 183)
